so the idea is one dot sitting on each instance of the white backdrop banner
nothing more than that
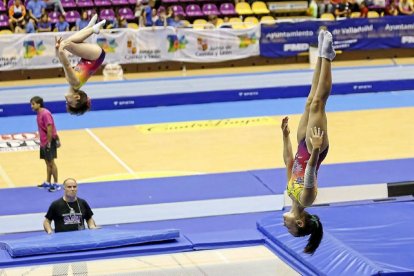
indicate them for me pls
(216, 45)
(145, 45)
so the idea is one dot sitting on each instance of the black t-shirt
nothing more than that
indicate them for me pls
(67, 216)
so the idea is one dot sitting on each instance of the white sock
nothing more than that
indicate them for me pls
(98, 26)
(92, 21)
(328, 51)
(320, 41)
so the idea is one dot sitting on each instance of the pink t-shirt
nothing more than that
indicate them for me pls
(44, 118)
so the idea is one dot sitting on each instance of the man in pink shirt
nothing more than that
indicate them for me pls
(49, 142)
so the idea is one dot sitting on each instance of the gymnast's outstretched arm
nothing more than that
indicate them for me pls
(310, 181)
(287, 147)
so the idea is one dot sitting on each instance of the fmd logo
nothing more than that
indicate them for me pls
(296, 47)
(407, 39)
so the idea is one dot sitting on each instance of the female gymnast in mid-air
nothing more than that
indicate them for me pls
(92, 56)
(312, 137)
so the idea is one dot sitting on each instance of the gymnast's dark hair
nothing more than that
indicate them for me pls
(38, 100)
(83, 105)
(314, 228)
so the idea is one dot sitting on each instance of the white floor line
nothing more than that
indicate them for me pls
(122, 163)
(6, 178)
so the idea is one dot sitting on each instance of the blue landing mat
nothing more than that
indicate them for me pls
(171, 246)
(240, 230)
(83, 241)
(365, 239)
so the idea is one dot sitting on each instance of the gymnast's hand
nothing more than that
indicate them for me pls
(285, 126)
(316, 137)
(58, 40)
(60, 44)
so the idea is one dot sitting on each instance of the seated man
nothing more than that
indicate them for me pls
(35, 9)
(69, 212)
(17, 12)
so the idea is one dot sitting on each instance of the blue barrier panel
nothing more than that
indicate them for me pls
(292, 38)
(260, 93)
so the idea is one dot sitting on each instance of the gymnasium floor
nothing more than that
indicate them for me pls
(248, 141)
(158, 142)
(366, 131)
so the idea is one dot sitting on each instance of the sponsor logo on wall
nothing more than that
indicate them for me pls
(247, 40)
(176, 43)
(33, 48)
(202, 44)
(19, 142)
(109, 45)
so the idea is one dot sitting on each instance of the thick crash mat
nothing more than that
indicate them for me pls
(370, 238)
(84, 240)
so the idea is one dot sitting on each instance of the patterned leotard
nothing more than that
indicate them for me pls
(86, 68)
(296, 182)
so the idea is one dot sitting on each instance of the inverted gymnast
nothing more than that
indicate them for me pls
(312, 137)
(92, 56)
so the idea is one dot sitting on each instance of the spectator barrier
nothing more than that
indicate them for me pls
(36, 51)
(290, 39)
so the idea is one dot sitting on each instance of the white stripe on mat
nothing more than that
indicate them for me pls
(348, 193)
(155, 212)
(199, 208)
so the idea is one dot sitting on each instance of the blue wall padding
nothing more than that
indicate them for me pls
(358, 239)
(83, 240)
(236, 237)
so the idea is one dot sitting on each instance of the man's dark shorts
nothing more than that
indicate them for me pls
(49, 154)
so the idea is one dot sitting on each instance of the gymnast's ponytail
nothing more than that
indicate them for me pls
(314, 228)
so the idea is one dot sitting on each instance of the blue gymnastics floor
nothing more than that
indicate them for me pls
(207, 232)
(206, 187)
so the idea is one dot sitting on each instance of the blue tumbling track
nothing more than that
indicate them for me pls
(205, 187)
(364, 239)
